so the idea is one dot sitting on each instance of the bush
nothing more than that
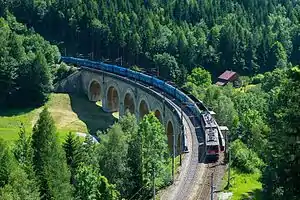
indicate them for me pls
(63, 71)
(245, 159)
(258, 79)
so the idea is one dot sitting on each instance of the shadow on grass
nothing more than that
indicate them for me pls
(10, 112)
(255, 194)
(91, 114)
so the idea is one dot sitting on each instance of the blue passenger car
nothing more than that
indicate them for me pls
(158, 83)
(133, 74)
(145, 78)
(120, 70)
(181, 96)
(169, 89)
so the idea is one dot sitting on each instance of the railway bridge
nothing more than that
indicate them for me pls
(119, 94)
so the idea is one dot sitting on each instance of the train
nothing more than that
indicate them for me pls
(194, 106)
(214, 139)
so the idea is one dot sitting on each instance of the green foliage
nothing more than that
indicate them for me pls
(198, 82)
(6, 163)
(278, 56)
(245, 159)
(24, 56)
(200, 77)
(134, 154)
(135, 68)
(20, 187)
(113, 158)
(246, 36)
(91, 185)
(154, 149)
(22, 149)
(280, 177)
(49, 160)
(74, 154)
(223, 106)
(273, 79)
(244, 185)
(253, 131)
(62, 71)
(90, 152)
(23, 153)
(257, 79)
(168, 66)
(129, 125)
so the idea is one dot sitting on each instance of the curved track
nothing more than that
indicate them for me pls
(186, 184)
(189, 184)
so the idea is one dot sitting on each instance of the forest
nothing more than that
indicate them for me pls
(189, 42)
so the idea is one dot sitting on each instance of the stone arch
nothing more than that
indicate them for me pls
(170, 132)
(129, 102)
(112, 98)
(158, 115)
(143, 109)
(94, 91)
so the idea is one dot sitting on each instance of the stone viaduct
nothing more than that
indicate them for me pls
(119, 94)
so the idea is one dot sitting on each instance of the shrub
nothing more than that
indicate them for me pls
(258, 79)
(245, 159)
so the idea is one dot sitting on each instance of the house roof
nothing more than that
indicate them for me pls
(227, 75)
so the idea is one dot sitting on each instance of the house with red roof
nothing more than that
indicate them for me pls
(226, 77)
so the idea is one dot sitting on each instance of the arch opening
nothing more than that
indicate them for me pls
(170, 132)
(158, 115)
(129, 103)
(144, 109)
(112, 99)
(95, 91)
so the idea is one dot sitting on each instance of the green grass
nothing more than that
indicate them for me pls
(244, 186)
(177, 163)
(70, 113)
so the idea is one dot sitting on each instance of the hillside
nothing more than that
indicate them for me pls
(71, 113)
(246, 36)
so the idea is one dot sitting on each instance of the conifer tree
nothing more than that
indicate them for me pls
(23, 152)
(6, 163)
(74, 154)
(49, 160)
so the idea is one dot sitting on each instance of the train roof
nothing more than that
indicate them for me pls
(208, 120)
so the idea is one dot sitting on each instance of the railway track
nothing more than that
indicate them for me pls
(215, 170)
(184, 183)
(195, 183)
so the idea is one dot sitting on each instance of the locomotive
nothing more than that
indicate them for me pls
(213, 137)
(214, 140)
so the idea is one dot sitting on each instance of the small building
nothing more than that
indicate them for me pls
(226, 77)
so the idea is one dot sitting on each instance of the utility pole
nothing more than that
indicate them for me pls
(229, 160)
(153, 179)
(225, 131)
(212, 187)
(181, 137)
(173, 159)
